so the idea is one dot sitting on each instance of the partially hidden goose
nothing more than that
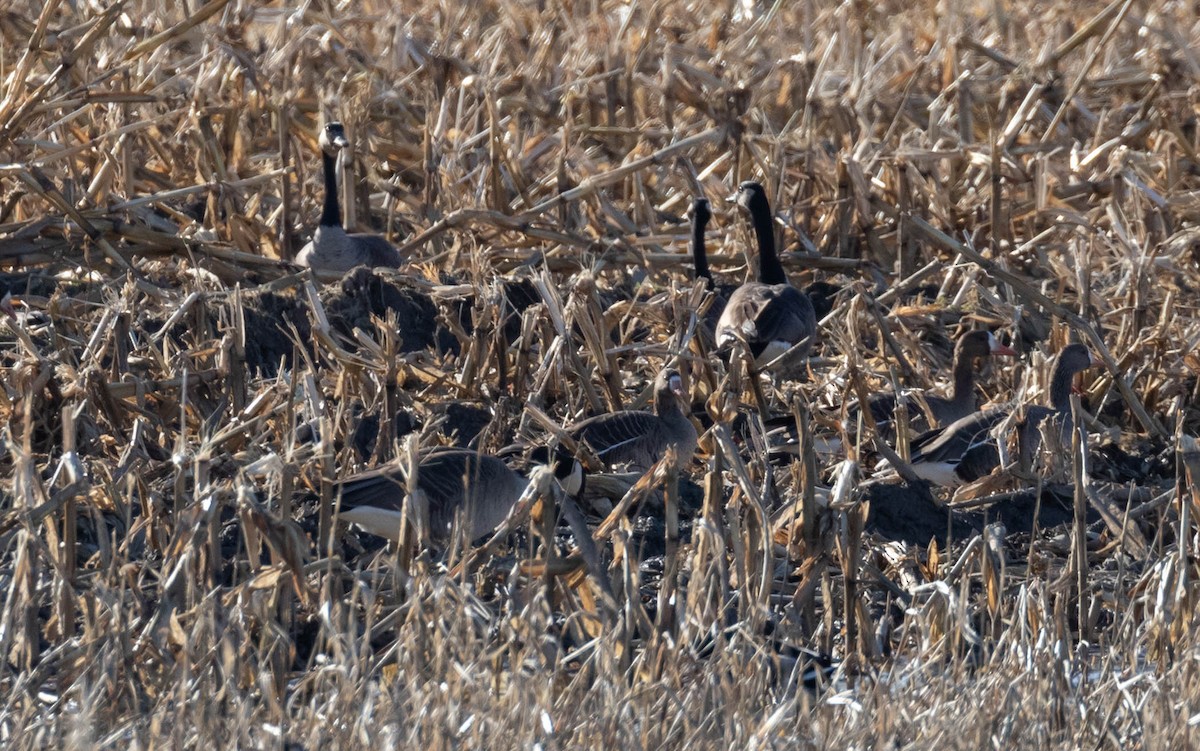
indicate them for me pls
(638, 439)
(965, 450)
(701, 214)
(6, 305)
(769, 316)
(945, 410)
(482, 488)
(332, 248)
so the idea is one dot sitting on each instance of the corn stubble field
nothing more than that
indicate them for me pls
(177, 399)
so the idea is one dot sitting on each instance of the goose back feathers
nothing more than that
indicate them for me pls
(637, 438)
(482, 488)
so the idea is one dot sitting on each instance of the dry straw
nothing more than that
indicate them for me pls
(177, 398)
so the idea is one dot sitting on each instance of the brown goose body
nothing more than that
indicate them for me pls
(480, 488)
(966, 450)
(638, 439)
(332, 248)
(768, 316)
(945, 410)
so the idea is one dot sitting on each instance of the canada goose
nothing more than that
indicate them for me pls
(770, 316)
(701, 214)
(332, 248)
(965, 450)
(638, 438)
(480, 487)
(961, 402)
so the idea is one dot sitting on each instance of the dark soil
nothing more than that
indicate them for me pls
(270, 318)
(364, 293)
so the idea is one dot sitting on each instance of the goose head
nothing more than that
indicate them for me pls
(751, 196)
(1072, 360)
(668, 391)
(981, 344)
(333, 138)
(1076, 358)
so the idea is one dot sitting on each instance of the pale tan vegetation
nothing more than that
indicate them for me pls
(169, 573)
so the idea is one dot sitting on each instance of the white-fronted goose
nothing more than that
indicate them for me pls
(961, 402)
(482, 488)
(770, 316)
(637, 438)
(965, 450)
(332, 248)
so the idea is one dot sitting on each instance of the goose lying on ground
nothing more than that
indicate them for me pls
(769, 316)
(482, 488)
(332, 248)
(966, 450)
(637, 438)
(945, 410)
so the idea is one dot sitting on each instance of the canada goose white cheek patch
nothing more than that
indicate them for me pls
(572, 483)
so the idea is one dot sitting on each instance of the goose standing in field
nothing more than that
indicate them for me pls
(966, 450)
(638, 438)
(332, 248)
(769, 316)
(482, 488)
(945, 410)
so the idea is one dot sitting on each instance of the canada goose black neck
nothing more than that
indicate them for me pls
(331, 215)
(770, 270)
(700, 216)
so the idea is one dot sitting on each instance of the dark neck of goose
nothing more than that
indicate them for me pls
(770, 270)
(331, 215)
(699, 256)
(666, 405)
(1060, 388)
(963, 388)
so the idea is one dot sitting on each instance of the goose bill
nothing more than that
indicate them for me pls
(676, 386)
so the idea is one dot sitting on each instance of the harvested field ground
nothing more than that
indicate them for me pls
(178, 397)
